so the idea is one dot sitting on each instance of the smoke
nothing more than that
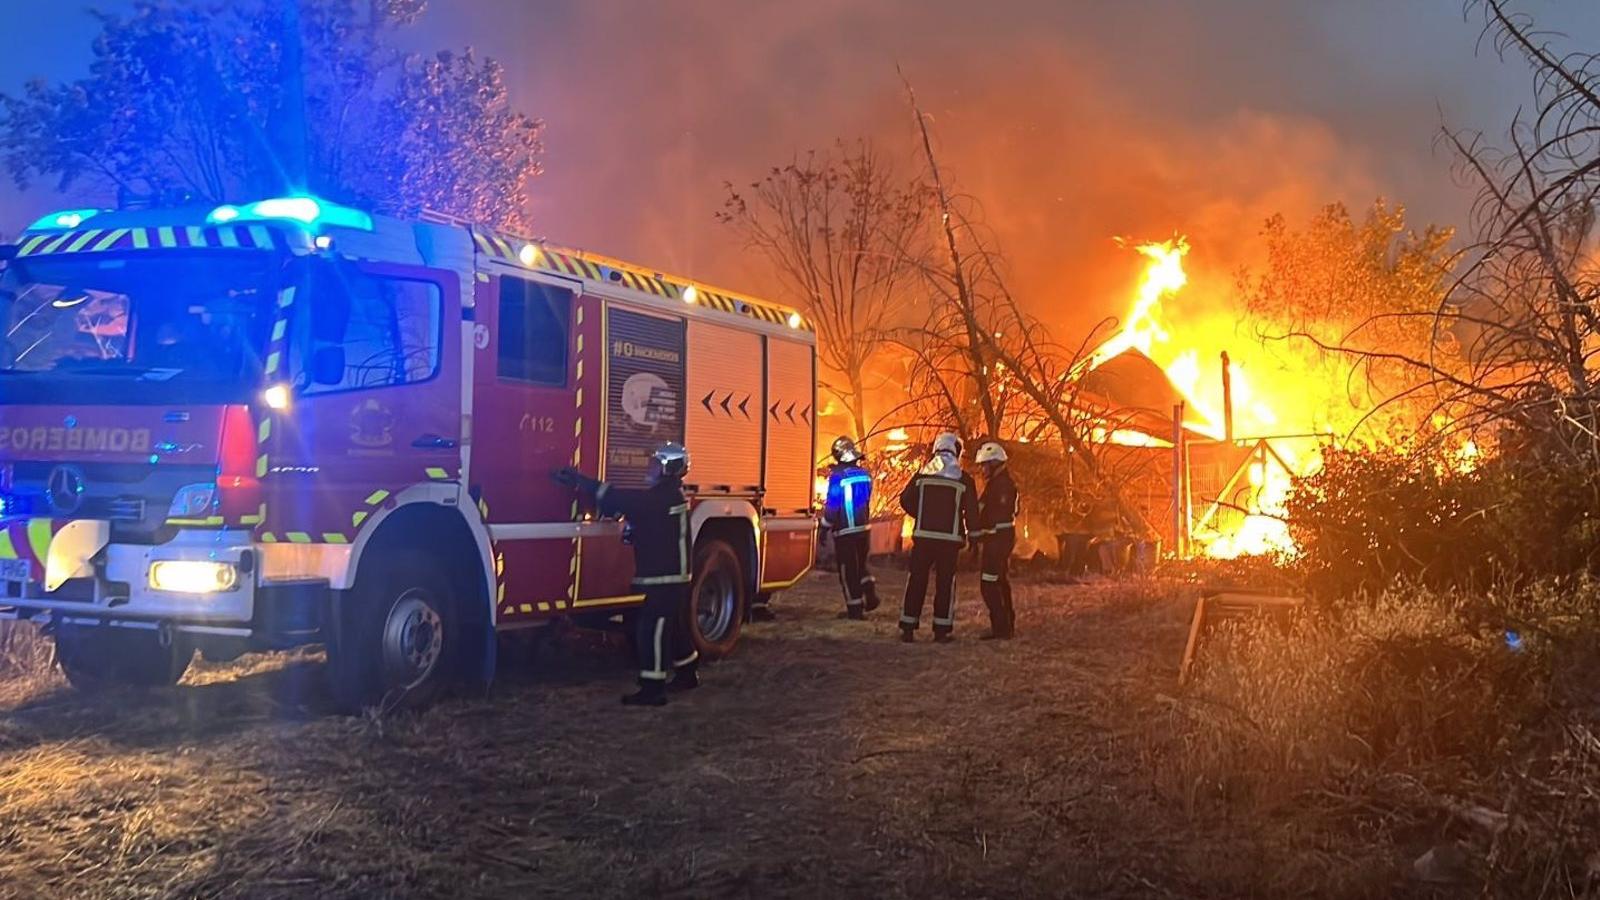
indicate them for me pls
(1072, 122)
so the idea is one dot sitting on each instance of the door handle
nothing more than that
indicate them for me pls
(433, 442)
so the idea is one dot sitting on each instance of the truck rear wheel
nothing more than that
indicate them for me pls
(95, 658)
(719, 598)
(398, 639)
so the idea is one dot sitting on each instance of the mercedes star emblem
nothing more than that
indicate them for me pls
(65, 489)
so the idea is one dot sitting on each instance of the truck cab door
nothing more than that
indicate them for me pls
(375, 365)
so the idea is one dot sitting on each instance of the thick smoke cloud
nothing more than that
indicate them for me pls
(1071, 122)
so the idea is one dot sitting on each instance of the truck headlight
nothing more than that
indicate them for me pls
(193, 501)
(193, 576)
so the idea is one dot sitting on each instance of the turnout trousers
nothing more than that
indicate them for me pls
(938, 559)
(661, 632)
(860, 588)
(995, 582)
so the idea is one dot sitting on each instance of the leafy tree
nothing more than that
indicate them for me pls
(214, 101)
(1340, 293)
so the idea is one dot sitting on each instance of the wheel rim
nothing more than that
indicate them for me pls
(413, 639)
(715, 599)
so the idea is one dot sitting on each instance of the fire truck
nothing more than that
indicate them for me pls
(287, 422)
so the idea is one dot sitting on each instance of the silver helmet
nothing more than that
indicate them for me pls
(673, 458)
(844, 450)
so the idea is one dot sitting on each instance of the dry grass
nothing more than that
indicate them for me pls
(824, 759)
(1407, 723)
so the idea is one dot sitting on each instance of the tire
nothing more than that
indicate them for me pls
(96, 658)
(398, 638)
(719, 599)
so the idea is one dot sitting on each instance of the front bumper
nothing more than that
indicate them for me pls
(114, 588)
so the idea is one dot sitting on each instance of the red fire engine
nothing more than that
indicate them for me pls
(289, 422)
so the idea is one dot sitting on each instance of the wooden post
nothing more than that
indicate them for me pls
(1227, 398)
(1179, 533)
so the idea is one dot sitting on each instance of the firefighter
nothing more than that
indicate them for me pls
(997, 537)
(847, 513)
(942, 502)
(657, 520)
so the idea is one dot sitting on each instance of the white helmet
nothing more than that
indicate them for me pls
(673, 458)
(990, 452)
(947, 442)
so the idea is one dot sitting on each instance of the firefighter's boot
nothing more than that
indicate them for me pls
(908, 636)
(942, 636)
(871, 586)
(650, 693)
(687, 678)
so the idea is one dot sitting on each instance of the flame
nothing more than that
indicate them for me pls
(1192, 362)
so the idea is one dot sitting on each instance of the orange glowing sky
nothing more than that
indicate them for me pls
(1072, 121)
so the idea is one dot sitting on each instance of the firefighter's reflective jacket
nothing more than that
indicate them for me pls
(658, 518)
(997, 508)
(848, 506)
(943, 503)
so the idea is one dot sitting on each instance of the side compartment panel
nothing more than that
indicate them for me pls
(790, 459)
(724, 408)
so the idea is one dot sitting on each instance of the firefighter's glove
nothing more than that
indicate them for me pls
(568, 476)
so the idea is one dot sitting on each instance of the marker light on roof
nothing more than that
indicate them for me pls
(529, 255)
(690, 294)
(67, 218)
(308, 211)
(795, 320)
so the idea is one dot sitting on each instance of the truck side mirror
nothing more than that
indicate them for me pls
(327, 365)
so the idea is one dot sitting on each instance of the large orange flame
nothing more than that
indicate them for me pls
(1180, 353)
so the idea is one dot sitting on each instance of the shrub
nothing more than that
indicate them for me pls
(1371, 518)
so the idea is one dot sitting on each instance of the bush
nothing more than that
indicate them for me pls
(1371, 518)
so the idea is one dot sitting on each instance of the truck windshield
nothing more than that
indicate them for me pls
(196, 322)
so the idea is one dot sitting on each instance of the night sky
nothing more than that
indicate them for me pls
(1072, 122)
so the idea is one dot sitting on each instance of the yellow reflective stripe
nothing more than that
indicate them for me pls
(262, 238)
(82, 240)
(261, 466)
(39, 534)
(105, 242)
(197, 236)
(209, 520)
(264, 430)
(377, 497)
(228, 236)
(437, 473)
(32, 244)
(279, 329)
(51, 247)
(166, 237)
(359, 517)
(141, 239)
(299, 537)
(7, 551)
(333, 538)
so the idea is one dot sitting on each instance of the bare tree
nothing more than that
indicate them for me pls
(846, 236)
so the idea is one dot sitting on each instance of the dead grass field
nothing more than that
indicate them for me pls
(823, 759)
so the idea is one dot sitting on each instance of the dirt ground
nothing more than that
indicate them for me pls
(823, 759)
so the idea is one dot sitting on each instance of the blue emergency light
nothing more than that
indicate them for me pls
(311, 212)
(65, 220)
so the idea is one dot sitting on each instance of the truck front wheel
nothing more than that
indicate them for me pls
(718, 598)
(98, 657)
(398, 636)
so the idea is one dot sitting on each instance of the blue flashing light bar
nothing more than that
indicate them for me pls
(314, 214)
(65, 220)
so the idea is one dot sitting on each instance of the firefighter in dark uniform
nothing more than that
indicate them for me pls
(847, 513)
(658, 528)
(997, 537)
(942, 502)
